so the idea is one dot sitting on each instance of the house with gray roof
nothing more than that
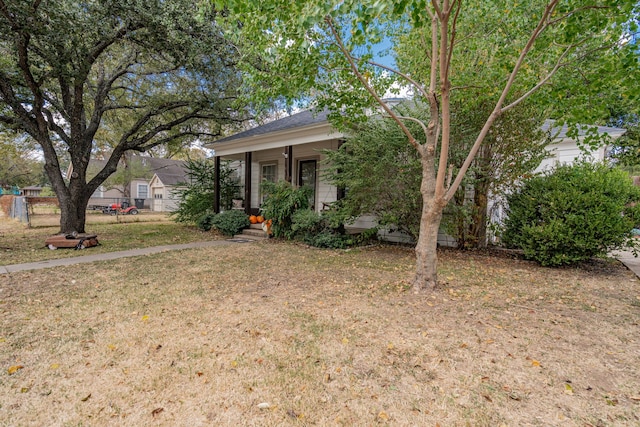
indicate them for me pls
(287, 149)
(291, 149)
(163, 186)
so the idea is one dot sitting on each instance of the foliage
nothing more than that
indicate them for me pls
(47, 192)
(128, 75)
(230, 222)
(573, 213)
(205, 222)
(197, 196)
(281, 202)
(383, 172)
(129, 168)
(506, 52)
(626, 149)
(318, 229)
(19, 166)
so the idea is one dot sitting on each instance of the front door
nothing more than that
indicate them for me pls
(307, 178)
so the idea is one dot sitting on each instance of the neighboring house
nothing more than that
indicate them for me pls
(163, 186)
(291, 149)
(138, 189)
(566, 150)
(33, 191)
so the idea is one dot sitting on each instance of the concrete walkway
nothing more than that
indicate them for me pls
(113, 255)
(627, 258)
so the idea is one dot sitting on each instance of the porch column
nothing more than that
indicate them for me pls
(288, 164)
(247, 183)
(216, 185)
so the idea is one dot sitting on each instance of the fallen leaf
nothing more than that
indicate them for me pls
(13, 369)
(84, 399)
(568, 389)
(383, 416)
(156, 411)
(145, 318)
(535, 363)
(54, 366)
(24, 389)
(345, 340)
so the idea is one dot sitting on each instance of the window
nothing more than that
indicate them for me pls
(307, 178)
(143, 191)
(268, 172)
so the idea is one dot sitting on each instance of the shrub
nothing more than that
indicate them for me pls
(197, 195)
(282, 201)
(572, 213)
(230, 222)
(205, 221)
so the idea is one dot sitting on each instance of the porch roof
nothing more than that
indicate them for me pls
(301, 128)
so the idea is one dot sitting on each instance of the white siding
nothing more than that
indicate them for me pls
(325, 193)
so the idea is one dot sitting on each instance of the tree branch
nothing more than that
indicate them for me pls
(542, 25)
(368, 87)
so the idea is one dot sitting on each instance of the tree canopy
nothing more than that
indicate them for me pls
(507, 51)
(146, 69)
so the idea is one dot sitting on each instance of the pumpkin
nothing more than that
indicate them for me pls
(253, 219)
(260, 219)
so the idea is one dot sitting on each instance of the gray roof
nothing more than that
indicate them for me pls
(168, 178)
(561, 132)
(305, 118)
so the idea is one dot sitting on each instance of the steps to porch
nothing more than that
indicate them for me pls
(254, 232)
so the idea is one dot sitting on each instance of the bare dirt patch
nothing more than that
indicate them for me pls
(280, 334)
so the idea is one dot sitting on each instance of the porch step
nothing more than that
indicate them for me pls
(255, 232)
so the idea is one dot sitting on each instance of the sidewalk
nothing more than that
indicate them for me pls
(627, 258)
(112, 255)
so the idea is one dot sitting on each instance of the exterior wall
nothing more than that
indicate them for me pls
(568, 152)
(325, 192)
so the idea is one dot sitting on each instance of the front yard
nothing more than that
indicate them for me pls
(20, 245)
(279, 334)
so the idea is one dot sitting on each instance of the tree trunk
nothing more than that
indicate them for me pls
(426, 277)
(73, 215)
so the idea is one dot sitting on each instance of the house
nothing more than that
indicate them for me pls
(565, 149)
(287, 149)
(163, 186)
(291, 149)
(31, 191)
(136, 188)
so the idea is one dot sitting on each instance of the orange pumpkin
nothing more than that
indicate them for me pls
(260, 219)
(253, 219)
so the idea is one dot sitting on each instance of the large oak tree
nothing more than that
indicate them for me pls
(150, 68)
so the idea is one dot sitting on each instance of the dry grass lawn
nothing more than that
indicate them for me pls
(19, 244)
(273, 334)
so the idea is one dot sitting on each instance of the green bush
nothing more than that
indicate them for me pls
(230, 222)
(205, 221)
(197, 195)
(572, 213)
(282, 201)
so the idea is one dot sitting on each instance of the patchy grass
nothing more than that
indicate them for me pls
(273, 334)
(19, 244)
